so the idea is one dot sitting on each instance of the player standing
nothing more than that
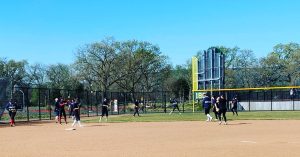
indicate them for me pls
(234, 106)
(136, 108)
(222, 109)
(62, 111)
(105, 106)
(213, 103)
(56, 109)
(12, 110)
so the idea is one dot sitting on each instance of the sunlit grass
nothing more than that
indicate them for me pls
(165, 117)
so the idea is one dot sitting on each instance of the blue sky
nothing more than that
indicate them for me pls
(50, 31)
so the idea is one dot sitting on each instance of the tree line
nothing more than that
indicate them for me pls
(279, 68)
(136, 66)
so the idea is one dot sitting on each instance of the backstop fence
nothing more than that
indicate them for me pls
(38, 103)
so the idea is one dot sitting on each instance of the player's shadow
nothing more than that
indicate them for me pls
(95, 125)
(25, 123)
(239, 123)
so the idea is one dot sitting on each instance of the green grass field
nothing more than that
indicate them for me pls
(162, 117)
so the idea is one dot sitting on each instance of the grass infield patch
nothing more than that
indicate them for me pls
(165, 117)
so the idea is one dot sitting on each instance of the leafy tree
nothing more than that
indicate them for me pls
(97, 63)
(143, 66)
(36, 75)
(14, 70)
(281, 67)
(181, 88)
(60, 76)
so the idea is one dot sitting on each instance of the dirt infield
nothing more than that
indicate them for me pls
(159, 139)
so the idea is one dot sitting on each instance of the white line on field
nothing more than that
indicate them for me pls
(70, 129)
(248, 141)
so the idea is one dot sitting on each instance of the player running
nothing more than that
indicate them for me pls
(76, 113)
(206, 104)
(175, 106)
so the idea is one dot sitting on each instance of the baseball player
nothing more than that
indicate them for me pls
(105, 106)
(12, 110)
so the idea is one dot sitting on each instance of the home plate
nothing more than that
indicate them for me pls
(70, 129)
(247, 141)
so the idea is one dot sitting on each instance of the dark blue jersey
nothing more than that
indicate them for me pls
(136, 104)
(105, 103)
(75, 107)
(213, 101)
(11, 107)
(234, 102)
(222, 103)
(206, 103)
(56, 105)
(174, 103)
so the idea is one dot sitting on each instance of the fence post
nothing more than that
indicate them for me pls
(293, 99)
(145, 107)
(88, 102)
(27, 106)
(118, 103)
(183, 103)
(271, 100)
(165, 101)
(97, 102)
(39, 102)
(249, 97)
(125, 102)
(111, 106)
(49, 101)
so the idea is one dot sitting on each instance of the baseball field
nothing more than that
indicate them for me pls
(168, 138)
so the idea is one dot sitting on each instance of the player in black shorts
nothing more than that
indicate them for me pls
(76, 112)
(12, 110)
(56, 109)
(175, 106)
(206, 104)
(105, 106)
(234, 103)
(70, 108)
(222, 109)
(62, 111)
(136, 108)
(214, 106)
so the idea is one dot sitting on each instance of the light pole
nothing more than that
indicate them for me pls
(17, 88)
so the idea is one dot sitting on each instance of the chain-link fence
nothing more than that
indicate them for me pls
(38, 103)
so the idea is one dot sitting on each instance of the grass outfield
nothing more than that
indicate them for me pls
(162, 117)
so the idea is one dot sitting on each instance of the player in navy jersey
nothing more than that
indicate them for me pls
(62, 111)
(12, 110)
(76, 113)
(105, 106)
(174, 105)
(136, 108)
(206, 104)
